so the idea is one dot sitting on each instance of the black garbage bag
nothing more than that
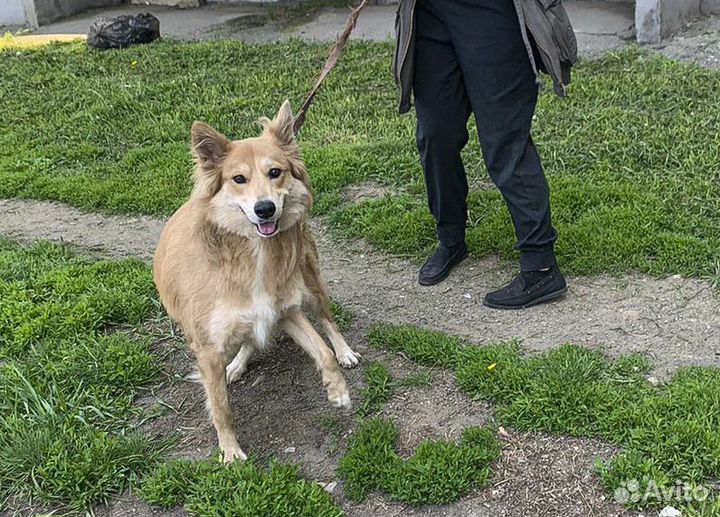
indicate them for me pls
(123, 31)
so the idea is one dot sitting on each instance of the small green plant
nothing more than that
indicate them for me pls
(240, 489)
(669, 434)
(379, 389)
(438, 472)
(381, 386)
(342, 316)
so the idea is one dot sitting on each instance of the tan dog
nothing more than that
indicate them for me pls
(237, 261)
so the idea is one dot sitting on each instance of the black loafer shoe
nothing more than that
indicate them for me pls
(438, 266)
(528, 289)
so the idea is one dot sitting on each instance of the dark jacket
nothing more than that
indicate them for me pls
(546, 30)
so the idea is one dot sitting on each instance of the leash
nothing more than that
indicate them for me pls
(332, 60)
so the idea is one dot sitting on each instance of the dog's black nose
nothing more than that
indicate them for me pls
(265, 209)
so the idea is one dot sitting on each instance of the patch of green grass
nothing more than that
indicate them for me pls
(438, 472)
(669, 433)
(343, 317)
(66, 387)
(423, 346)
(241, 489)
(49, 294)
(632, 156)
(379, 388)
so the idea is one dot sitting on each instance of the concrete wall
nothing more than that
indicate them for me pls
(710, 7)
(676, 13)
(658, 19)
(12, 12)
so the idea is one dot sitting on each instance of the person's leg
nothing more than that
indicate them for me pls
(503, 94)
(443, 110)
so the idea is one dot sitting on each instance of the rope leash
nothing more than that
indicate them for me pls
(332, 60)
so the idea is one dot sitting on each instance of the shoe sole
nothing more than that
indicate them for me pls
(442, 277)
(543, 299)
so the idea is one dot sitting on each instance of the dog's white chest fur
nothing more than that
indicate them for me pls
(265, 316)
(255, 321)
(230, 322)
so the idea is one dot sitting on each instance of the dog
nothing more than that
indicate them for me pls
(237, 262)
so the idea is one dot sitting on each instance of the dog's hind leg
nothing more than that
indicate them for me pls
(319, 302)
(238, 366)
(212, 374)
(301, 330)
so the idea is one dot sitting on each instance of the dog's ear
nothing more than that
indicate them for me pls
(209, 148)
(281, 130)
(281, 127)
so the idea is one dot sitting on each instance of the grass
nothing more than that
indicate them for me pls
(241, 489)
(669, 433)
(438, 472)
(343, 317)
(632, 156)
(67, 386)
(381, 386)
(419, 379)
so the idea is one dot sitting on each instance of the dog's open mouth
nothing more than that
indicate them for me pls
(267, 229)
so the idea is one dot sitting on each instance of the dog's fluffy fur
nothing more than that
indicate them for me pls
(230, 278)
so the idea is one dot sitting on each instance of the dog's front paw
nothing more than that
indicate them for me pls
(342, 400)
(348, 359)
(232, 453)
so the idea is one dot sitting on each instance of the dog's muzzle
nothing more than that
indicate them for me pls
(265, 210)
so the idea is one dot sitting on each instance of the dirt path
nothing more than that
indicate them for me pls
(677, 320)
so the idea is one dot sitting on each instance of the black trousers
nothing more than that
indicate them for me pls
(470, 58)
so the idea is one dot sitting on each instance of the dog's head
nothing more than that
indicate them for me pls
(254, 187)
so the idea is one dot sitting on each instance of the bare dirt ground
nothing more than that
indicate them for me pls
(676, 320)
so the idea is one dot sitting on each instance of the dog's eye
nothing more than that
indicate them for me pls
(274, 173)
(239, 179)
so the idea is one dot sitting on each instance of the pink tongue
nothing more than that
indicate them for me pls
(267, 228)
